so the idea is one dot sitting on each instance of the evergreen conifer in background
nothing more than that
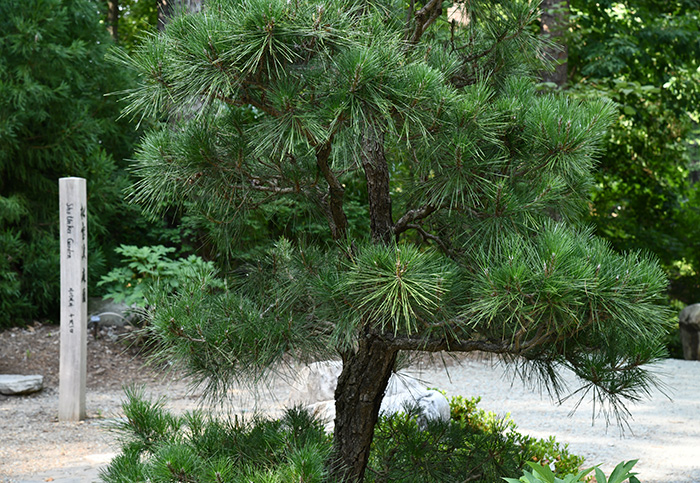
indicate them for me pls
(55, 121)
(475, 187)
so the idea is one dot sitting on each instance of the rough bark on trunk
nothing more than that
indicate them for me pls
(337, 219)
(358, 398)
(367, 369)
(377, 175)
(553, 23)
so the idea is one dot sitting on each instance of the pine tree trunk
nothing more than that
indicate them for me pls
(358, 398)
(378, 192)
(553, 23)
(366, 371)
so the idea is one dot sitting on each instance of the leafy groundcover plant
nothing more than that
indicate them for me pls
(145, 267)
(475, 445)
(543, 474)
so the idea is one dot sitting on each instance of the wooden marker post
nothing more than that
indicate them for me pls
(73, 360)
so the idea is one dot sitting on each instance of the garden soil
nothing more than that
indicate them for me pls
(664, 432)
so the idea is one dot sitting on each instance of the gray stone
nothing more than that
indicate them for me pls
(689, 324)
(433, 405)
(14, 384)
(108, 313)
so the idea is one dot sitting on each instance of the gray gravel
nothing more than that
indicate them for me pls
(664, 433)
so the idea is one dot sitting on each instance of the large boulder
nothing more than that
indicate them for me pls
(17, 385)
(315, 385)
(689, 323)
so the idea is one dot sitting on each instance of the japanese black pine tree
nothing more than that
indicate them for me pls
(473, 186)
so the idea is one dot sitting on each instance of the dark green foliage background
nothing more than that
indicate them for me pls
(645, 55)
(56, 121)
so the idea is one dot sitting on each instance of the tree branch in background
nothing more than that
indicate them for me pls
(424, 18)
(113, 19)
(412, 215)
(338, 221)
(554, 21)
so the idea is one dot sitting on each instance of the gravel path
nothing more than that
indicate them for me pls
(664, 436)
(664, 433)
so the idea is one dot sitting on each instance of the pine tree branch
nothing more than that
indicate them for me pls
(443, 344)
(245, 99)
(338, 221)
(428, 236)
(412, 215)
(544, 336)
(502, 37)
(425, 18)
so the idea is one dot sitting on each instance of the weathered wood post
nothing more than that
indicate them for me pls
(73, 359)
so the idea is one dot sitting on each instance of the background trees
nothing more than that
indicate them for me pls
(55, 120)
(462, 166)
(644, 56)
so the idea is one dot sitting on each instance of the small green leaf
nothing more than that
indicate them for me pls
(621, 472)
(545, 472)
(600, 476)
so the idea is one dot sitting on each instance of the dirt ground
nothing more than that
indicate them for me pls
(34, 445)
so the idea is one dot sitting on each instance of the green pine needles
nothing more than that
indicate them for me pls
(451, 192)
(474, 445)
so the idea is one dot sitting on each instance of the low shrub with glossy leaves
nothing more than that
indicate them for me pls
(543, 474)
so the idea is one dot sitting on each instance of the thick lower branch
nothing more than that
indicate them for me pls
(443, 344)
(439, 344)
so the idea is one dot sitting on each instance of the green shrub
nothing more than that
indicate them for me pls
(548, 451)
(543, 474)
(545, 451)
(195, 447)
(443, 451)
(475, 445)
(146, 266)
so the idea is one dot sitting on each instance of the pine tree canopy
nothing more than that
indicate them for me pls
(473, 185)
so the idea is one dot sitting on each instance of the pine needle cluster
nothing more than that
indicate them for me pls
(195, 447)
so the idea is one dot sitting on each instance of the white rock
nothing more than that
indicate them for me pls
(14, 384)
(433, 405)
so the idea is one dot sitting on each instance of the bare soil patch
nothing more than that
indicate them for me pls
(112, 357)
